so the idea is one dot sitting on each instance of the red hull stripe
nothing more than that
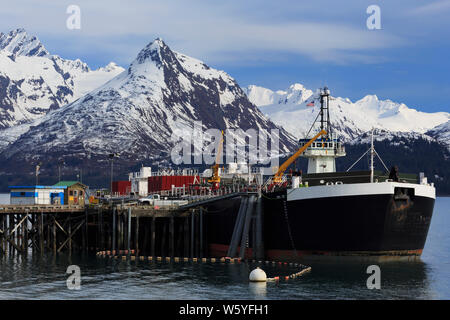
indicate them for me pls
(220, 250)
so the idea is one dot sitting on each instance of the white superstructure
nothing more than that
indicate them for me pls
(323, 152)
(139, 181)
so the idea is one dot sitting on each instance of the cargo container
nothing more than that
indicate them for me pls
(121, 188)
(162, 183)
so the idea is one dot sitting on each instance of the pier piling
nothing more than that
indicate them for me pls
(160, 232)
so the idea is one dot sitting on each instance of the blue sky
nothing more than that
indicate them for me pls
(267, 43)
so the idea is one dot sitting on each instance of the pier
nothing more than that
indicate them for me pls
(166, 231)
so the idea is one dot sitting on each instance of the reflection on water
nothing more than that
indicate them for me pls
(45, 277)
(258, 289)
(4, 198)
(35, 277)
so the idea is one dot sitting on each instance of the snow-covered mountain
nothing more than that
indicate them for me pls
(162, 92)
(34, 82)
(290, 109)
(441, 133)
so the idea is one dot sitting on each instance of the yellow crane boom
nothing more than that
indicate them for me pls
(215, 168)
(279, 174)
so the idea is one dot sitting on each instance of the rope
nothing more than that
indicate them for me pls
(387, 170)
(288, 226)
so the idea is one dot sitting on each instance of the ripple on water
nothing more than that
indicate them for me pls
(45, 277)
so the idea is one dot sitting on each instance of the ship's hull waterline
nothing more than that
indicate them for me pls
(373, 221)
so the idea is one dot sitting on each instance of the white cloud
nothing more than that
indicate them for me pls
(204, 29)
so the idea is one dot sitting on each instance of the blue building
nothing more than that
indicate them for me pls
(29, 195)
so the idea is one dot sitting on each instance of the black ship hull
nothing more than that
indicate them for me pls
(300, 224)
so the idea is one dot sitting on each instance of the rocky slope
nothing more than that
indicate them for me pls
(138, 113)
(33, 82)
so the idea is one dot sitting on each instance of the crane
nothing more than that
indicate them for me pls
(215, 178)
(279, 174)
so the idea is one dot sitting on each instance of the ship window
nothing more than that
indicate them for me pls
(319, 145)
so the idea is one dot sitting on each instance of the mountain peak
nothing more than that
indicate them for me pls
(152, 51)
(153, 59)
(20, 43)
(370, 97)
(291, 109)
(146, 110)
(110, 67)
(159, 41)
(296, 87)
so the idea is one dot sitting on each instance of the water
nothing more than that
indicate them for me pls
(45, 277)
(4, 198)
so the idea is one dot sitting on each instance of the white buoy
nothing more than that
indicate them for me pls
(258, 275)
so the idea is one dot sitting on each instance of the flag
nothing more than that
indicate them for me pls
(311, 104)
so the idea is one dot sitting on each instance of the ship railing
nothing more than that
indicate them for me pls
(271, 183)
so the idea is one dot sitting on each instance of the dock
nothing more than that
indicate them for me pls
(154, 231)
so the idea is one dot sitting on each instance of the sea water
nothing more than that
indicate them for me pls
(36, 277)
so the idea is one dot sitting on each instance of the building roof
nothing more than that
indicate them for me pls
(38, 187)
(69, 184)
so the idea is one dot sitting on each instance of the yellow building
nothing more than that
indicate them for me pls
(75, 193)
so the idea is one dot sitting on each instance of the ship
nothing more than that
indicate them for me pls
(325, 214)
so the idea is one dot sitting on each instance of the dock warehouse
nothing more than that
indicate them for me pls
(29, 195)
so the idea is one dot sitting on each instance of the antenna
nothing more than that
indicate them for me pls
(372, 151)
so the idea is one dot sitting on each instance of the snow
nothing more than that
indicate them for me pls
(199, 68)
(349, 119)
(442, 133)
(38, 82)
(136, 112)
(259, 96)
(18, 42)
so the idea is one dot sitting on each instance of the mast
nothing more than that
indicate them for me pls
(325, 111)
(371, 157)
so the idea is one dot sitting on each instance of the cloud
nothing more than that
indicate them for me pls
(227, 32)
(432, 8)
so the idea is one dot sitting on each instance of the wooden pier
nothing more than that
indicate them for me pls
(166, 231)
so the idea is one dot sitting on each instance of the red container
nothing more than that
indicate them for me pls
(121, 187)
(161, 183)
